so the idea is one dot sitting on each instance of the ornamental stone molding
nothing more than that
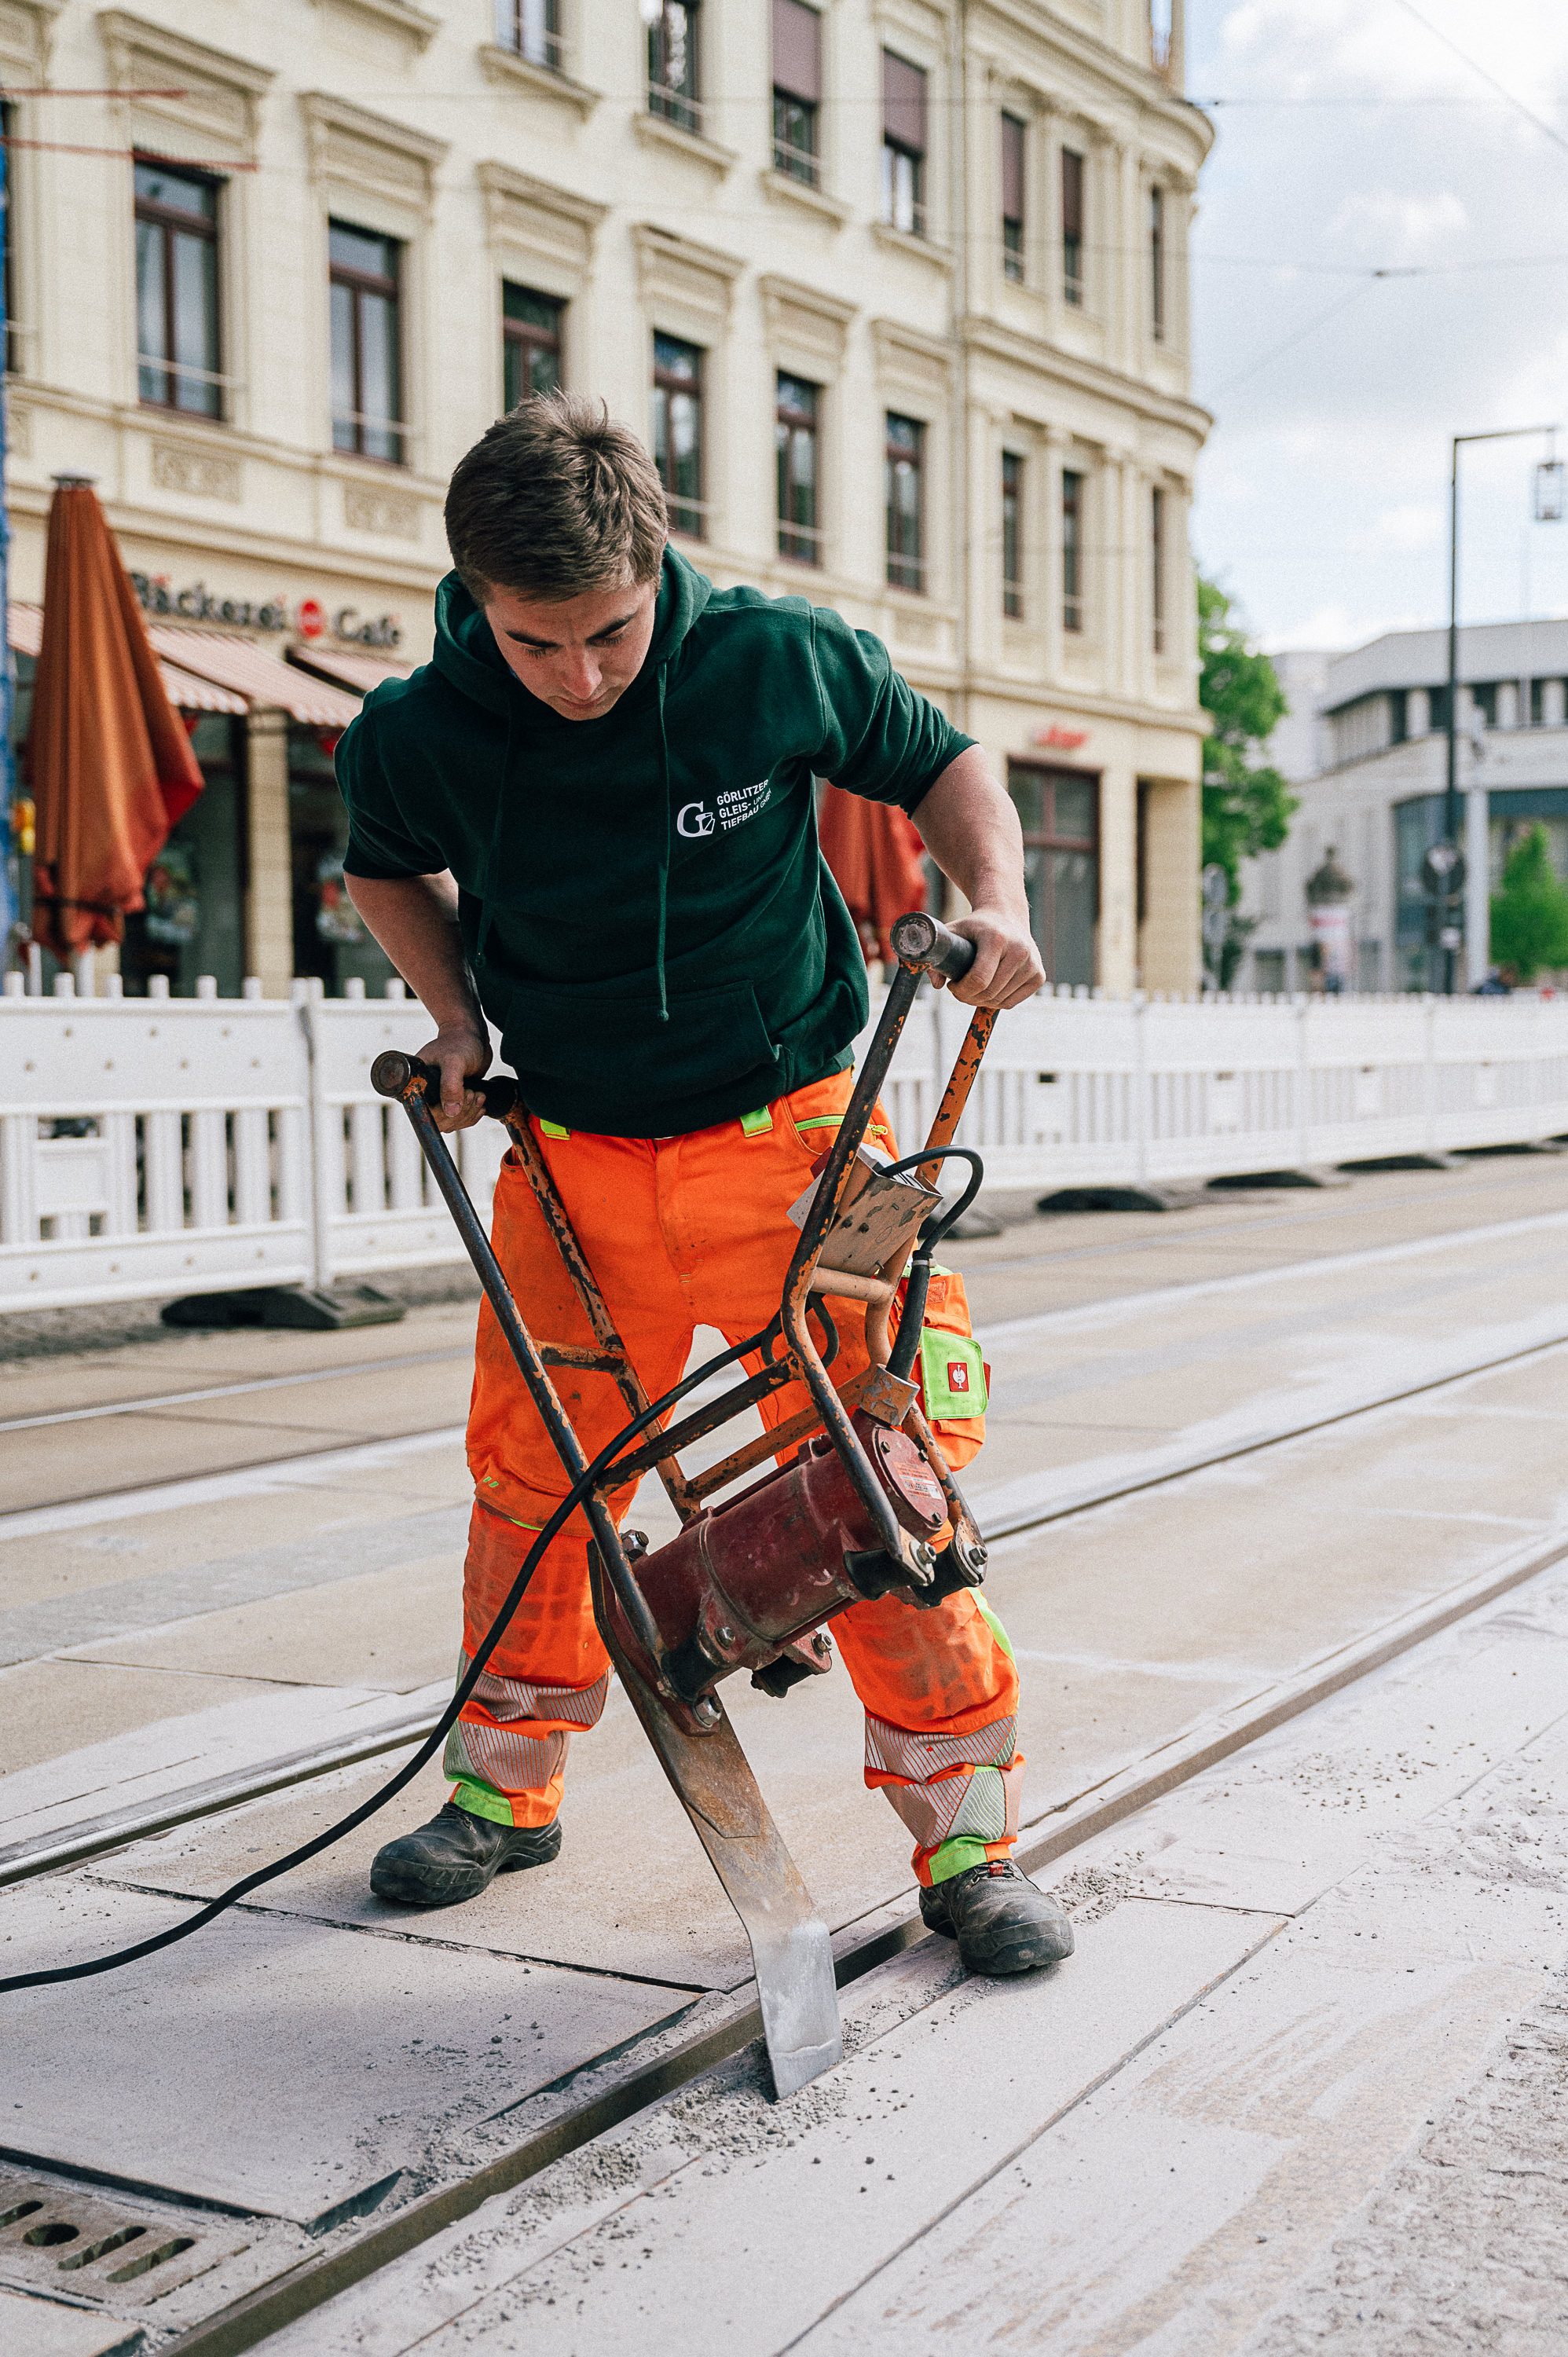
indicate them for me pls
(389, 515)
(196, 474)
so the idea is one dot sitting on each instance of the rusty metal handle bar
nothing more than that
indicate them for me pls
(393, 1071)
(921, 940)
(406, 1080)
(922, 944)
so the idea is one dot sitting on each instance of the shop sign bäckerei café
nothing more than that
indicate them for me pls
(307, 619)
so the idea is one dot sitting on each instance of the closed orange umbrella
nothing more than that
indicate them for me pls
(879, 863)
(109, 761)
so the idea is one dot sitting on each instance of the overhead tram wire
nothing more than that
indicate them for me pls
(1547, 130)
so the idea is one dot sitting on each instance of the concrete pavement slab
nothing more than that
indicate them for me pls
(632, 1891)
(392, 1630)
(773, 2211)
(326, 1547)
(423, 1469)
(282, 2066)
(167, 1754)
(44, 1704)
(44, 2328)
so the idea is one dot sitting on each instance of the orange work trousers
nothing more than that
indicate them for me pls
(681, 1232)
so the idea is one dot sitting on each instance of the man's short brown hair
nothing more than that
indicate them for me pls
(556, 500)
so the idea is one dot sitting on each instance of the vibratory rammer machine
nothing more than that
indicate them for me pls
(748, 1583)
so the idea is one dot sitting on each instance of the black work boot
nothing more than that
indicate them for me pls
(457, 1856)
(1001, 1921)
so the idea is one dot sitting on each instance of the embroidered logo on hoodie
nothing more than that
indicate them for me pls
(737, 804)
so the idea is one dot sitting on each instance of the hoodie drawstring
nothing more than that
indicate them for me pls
(492, 860)
(665, 854)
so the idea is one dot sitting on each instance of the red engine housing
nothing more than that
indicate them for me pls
(752, 1580)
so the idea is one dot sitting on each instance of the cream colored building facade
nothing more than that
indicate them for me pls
(1039, 360)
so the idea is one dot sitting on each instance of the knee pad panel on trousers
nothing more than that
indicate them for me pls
(505, 1756)
(980, 1804)
(506, 1700)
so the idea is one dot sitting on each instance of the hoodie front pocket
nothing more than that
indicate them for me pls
(711, 1036)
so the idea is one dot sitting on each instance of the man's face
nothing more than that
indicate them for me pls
(580, 656)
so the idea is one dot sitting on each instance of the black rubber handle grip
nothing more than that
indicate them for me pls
(919, 940)
(392, 1073)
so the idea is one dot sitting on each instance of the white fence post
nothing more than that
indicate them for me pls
(323, 1175)
(1429, 1072)
(1302, 1084)
(1142, 1111)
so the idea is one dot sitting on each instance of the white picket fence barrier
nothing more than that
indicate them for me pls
(151, 1146)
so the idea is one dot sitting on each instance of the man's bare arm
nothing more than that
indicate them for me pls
(972, 831)
(414, 918)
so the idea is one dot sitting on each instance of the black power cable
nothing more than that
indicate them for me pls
(443, 1726)
(901, 1358)
(586, 1479)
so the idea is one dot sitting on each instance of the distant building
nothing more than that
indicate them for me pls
(1365, 749)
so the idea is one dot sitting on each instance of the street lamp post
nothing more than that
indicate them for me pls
(1450, 936)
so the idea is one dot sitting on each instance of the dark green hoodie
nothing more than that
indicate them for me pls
(649, 922)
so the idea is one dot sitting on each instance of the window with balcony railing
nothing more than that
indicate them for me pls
(795, 436)
(674, 90)
(903, 144)
(678, 432)
(177, 364)
(905, 497)
(1072, 228)
(531, 30)
(531, 343)
(365, 270)
(1012, 535)
(797, 90)
(1013, 134)
(1072, 550)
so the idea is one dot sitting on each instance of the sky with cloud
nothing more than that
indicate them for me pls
(1355, 140)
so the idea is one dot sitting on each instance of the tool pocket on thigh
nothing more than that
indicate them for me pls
(955, 1381)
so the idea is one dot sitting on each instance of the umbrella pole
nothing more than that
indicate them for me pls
(10, 861)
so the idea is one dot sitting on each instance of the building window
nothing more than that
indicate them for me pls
(672, 89)
(1012, 196)
(678, 431)
(14, 333)
(531, 343)
(1157, 264)
(367, 360)
(177, 291)
(795, 433)
(1157, 565)
(1059, 812)
(906, 503)
(1072, 227)
(530, 30)
(1012, 535)
(1072, 550)
(797, 89)
(903, 144)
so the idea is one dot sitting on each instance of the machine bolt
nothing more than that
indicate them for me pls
(705, 1711)
(725, 1635)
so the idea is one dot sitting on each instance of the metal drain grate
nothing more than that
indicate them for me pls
(63, 2238)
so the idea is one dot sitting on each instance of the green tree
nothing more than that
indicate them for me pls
(1529, 915)
(1247, 806)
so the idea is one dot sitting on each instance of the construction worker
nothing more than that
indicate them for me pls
(591, 818)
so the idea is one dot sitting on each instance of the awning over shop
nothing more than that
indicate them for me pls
(185, 691)
(249, 670)
(360, 672)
